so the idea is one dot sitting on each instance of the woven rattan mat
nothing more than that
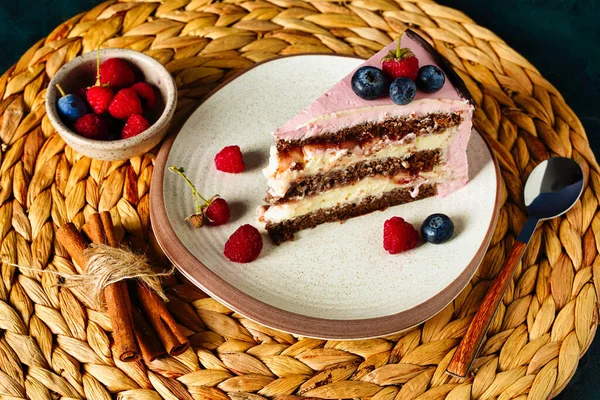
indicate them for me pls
(53, 345)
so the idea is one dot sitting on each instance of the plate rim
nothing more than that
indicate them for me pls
(287, 321)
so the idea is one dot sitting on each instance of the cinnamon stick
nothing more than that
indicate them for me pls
(73, 242)
(148, 341)
(118, 305)
(94, 230)
(100, 229)
(187, 292)
(168, 331)
(109, 229)
(155, 310)
(185, 314)
(116, 295)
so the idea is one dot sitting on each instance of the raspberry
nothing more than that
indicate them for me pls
(408, 67)
(116, 73)
(401, 62)
(399, 235)
(92, 126)
(125, 103)
(217, 212)
(213, 212)
(244, 245)
(135, 125)
(146, 93)
(99, 97)
(230, 160)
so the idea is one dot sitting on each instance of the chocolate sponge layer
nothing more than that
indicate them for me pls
(394, 129)
(284, 231)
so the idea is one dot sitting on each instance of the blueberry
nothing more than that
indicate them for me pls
(71, 107)
(437, 228)
(369, 83)
(430, 79)
(403, 90)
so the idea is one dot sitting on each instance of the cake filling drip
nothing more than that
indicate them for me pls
(422, 161)
(392, 128)
(285, 229)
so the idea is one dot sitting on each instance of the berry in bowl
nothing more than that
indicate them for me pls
(112, 104)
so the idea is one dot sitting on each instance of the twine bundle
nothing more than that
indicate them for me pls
(107, 265)
(51, 344)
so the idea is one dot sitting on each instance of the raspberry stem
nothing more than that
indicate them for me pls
(98, 66)
(180, 171)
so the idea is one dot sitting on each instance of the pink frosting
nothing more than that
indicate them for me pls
(341, 97)
(334, 121)
(457, 159)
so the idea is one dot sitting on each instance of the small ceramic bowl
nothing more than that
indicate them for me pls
(81, 72)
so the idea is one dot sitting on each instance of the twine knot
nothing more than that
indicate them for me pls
(107, 265)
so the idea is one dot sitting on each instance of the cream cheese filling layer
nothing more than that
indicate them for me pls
(372, 186)
(324, 160)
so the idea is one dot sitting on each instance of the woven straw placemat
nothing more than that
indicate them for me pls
(52, 344)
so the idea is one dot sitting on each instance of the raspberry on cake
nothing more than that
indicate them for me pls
(401, 62)
(345, 156)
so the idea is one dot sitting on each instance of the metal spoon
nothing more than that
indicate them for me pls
(553, 187)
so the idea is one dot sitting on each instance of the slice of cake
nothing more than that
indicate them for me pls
(345, 156)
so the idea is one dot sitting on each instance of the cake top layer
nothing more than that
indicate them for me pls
(341, 97)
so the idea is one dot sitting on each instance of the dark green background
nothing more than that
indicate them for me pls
(559, 37)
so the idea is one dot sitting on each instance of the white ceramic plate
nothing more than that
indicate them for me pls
(334, 281)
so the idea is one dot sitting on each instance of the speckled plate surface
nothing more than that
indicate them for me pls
(335, 281)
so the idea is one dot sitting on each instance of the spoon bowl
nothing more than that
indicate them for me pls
(553, 187)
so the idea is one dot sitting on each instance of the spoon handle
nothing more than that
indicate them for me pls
(469, 346)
